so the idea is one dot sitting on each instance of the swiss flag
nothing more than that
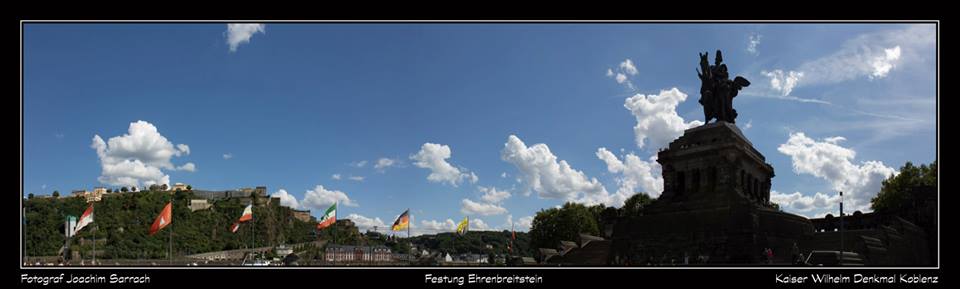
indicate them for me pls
(163, 219)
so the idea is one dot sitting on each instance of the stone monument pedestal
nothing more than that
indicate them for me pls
(715, 206)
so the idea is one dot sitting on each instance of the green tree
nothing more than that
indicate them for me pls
(189, 188)
(566, 223)
(30, 196)
(153, 188)
(164, 187)
(896, 193)
(123, 189)
(634, 205)
(56, 194)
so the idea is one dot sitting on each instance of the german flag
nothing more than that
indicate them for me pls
(402, 222)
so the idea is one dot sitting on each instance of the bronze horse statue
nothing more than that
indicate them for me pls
(717, 90)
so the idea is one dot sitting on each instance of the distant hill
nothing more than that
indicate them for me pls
(476, 242)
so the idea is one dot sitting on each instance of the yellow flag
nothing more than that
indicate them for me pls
(463, 226)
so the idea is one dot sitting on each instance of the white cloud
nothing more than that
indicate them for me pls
(753, 41)
(190, 167)
(384, 163)
(882, 64)
(657, 121)
(356, 178)
(524, 223)
(137, 157)
(503, 175)
(434, 157)
(358, 164)
(434, 226)
(628, 67)
(829, 161)
(781, 82)
(367, 223)
(621, 77)
(810, 206)
(184, 149)
(873, 55)
(320, 198)
(492, 195)
(477, 224)
(227, 156)
(132, 173)
(636, 175)
(335, 177)
(549, 177)
(286, 199)
(624, 71)
(240, 33)
(473, 208)
(748, 125)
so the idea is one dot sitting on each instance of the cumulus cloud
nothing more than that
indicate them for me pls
(476, 224)
(628, 67)
(358, 164)
(492, 195)
(549, 177)
(810, 206)
(184, 149)
(320, 198)
(434, 157)
(227, 156)
(138, 157)
(783, 82)
(474, 208)
(335, 177)
(240, 33)
(883, 63)
(434, 226)
(525, 223)
(635, 175)
(829, 161)
(189, 167)
(624, 71)
(621, 77)
(367, 223)
(384, 163)
(286, 199)
(657, 121)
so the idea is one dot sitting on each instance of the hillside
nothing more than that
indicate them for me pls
(122, 222)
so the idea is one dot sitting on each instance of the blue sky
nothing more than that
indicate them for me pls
(293, 106)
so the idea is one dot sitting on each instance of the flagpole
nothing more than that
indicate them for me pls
(253, 239)
(95, 227)
(408, 224)
(170, 235)
(336, 205)
(455, 233)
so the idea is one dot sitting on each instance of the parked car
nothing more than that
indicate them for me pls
(833, 258)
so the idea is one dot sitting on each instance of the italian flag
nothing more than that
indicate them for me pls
(85, 219)
(328, 218)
